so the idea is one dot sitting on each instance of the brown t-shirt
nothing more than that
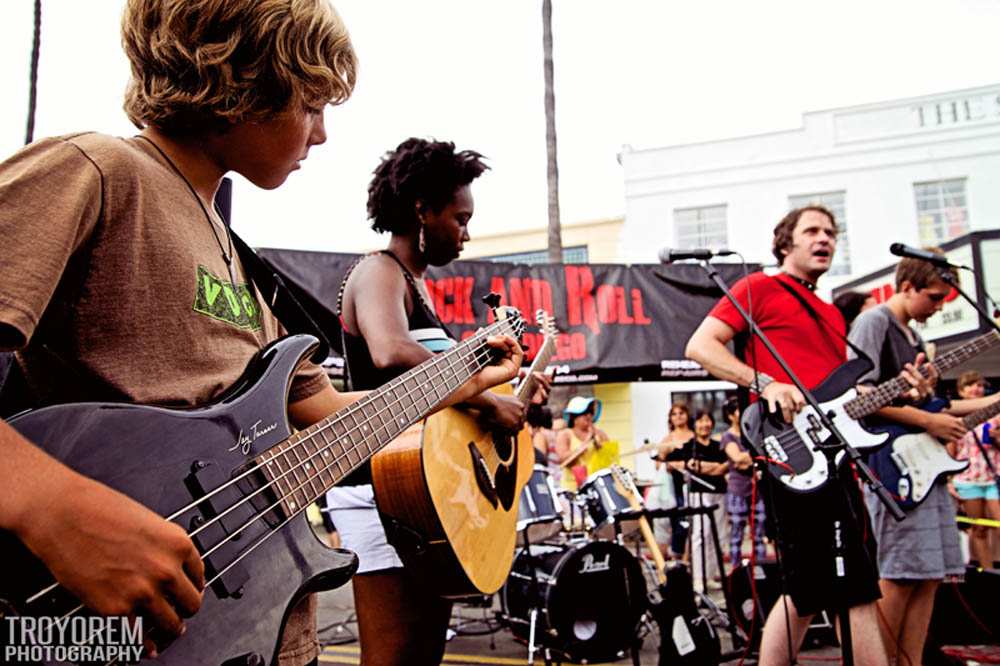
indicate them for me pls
(114, 287)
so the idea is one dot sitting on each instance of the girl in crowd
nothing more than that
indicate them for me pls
(976, 486)
(740, 487)
(669, 491)
(702, 459)
(580, 440)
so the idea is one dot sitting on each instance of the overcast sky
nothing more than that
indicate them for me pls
(643, 73)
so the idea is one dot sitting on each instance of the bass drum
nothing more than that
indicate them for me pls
(589, 595)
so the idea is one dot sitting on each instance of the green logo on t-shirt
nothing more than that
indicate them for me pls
(233, 304)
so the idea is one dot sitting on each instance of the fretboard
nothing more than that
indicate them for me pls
(982, 415)
(307, 464)
(882, 395)
(527, 387)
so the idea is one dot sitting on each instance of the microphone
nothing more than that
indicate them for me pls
(668, 255)
(938, 260)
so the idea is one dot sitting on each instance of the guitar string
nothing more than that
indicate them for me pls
(479, 358)
(478, 355)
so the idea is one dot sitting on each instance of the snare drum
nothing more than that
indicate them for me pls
(539, 505)
(590, 596)
(605, 505)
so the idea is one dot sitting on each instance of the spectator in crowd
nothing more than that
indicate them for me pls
(740, 500)
(853, 303)
(669, 492)
(704, 465)
(581, 441)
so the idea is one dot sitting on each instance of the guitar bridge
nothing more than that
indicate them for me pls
(774, 450)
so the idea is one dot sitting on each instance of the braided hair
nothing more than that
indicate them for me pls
(418, 170)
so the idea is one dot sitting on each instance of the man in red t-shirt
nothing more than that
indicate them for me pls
(813, 346)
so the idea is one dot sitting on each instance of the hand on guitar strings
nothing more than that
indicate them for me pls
(922, 376)
(543, 384)
(505, 413)
(509, 357)
(945, 427)
(784, 397)
(116, 556)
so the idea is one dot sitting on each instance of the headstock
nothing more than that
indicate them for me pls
(546, 322)
(625, 486)
(511, 316)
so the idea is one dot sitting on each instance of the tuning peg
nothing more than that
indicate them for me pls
(492, 300)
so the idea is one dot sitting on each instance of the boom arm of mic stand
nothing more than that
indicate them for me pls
(948, 278)
(866, 475)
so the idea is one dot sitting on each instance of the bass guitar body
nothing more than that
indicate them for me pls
(793, 449)
(913, 461)
(448, 495)
(263, 560)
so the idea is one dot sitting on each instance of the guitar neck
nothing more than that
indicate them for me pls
(982, 415)
(310, 462)
(528, 385)
(882, 395)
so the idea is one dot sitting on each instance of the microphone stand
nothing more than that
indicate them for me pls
(950, 279)
(830, 450)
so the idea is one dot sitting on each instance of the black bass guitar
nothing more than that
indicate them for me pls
(791, 449)
(235, 476)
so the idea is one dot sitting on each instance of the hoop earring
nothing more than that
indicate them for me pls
(421, 243)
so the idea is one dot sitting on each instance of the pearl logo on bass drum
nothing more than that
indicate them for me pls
(590, 565)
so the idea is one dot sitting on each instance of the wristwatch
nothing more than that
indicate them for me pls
(761, 383)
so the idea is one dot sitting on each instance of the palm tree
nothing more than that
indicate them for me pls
(555, 234)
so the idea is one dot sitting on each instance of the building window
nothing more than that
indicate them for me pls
(700, 227)
(834, 202)
(942, 212)
(571, 255)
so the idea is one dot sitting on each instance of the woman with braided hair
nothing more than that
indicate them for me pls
(421, 195)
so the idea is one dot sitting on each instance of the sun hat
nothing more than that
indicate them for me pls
(579, 405)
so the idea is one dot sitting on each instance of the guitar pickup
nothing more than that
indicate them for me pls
(901, 465)
(774, 450)
(225, 536)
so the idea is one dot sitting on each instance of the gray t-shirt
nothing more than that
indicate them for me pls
(888, 343)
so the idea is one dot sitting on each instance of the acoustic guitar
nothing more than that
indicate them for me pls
(448, 492)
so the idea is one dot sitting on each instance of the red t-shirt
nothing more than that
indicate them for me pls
(812, 350)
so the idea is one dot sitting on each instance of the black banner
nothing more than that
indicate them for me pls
(617, 323)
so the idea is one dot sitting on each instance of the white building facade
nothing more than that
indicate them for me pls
(919, 171)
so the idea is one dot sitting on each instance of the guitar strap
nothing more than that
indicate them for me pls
(824, 323)
(295, 308)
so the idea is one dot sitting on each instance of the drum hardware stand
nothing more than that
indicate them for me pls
(536, 591)
(342, 632)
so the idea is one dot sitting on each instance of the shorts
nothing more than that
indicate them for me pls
(808, 526)
(975, 491)
(353, 511)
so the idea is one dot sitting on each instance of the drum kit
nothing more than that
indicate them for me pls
(574, 589)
